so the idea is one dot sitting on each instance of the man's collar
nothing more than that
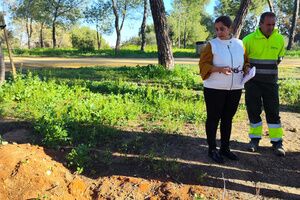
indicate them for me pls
(259, 34)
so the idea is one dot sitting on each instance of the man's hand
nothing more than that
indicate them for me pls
(246, 69)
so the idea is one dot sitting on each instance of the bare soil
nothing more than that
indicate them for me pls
(30, 171)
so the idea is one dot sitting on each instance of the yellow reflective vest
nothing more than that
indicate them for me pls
(264, 53)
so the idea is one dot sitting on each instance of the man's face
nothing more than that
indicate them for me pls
(267, 26)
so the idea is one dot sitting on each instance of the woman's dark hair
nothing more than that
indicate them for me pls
(225, 20)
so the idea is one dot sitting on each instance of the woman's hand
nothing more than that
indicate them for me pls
(225, 70)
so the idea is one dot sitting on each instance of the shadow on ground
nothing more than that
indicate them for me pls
(183, 159)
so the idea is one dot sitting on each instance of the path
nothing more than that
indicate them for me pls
(91, 61)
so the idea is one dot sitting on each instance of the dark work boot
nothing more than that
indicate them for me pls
(215, 156)
(278, 148)
(253, 144)
(228, 154)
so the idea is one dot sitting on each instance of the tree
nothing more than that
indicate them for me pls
(165, 55)
(186, 21)
(294, 23)
(240, 17)
(62, 11)
(121, 9)
(2, 67)
(149, 37)
(100, 14)
(270, 3)
(143, 26)
(25, 10)
(236, 9)
(43, 17)
(285, 11)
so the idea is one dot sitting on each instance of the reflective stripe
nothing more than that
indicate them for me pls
(276, 139)
(266, 71)
(256, 125)
(255, 130)
(275, 132)
(255, 61)
(274, 125)
(254, 136)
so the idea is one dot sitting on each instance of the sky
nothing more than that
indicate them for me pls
(131, 27)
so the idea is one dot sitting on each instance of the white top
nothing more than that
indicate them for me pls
(226, 53)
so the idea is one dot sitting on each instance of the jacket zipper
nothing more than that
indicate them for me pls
(231, 66)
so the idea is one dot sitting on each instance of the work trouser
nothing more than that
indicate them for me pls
(220, 105)
(260, 94)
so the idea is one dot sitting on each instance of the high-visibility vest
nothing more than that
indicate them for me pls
(264, 53)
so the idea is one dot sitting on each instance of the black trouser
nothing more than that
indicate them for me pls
(220, 104)
(260, 94)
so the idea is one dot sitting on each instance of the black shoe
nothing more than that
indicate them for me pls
(215, 156)
(278, 148)
(253, 144)
(228, 154)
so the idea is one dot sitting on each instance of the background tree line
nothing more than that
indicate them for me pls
(58, 23)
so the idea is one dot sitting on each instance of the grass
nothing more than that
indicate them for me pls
(85, 107)
(131, 51)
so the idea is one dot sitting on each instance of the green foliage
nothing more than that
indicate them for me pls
(150, 38)
(289, 91)
(79, 158)
(83, 38)
(100, 14)
(73, 111)
(185, 22)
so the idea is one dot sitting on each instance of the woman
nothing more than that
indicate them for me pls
(222, 62)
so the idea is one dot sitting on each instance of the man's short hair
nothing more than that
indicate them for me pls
(266, 14)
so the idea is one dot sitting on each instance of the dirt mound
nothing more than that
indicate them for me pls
(28, 172)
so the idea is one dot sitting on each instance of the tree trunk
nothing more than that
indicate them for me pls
(143, 26)
(97, 34)
(100, 41)
(14, 72)
(2, 66)
(294, 24)
(270, 3)
(184, 36)
(117, 47)
(165, 55)
(41, 35)
(53, 34)
(240, 17)
(118, 41)
(29, 31)
(179, 33)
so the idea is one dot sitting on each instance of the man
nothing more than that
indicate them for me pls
(265, 48)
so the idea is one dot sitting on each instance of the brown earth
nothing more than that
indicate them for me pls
(30, 171)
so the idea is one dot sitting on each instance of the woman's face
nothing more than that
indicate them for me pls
(222, 31)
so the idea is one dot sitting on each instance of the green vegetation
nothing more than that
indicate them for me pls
(130, 51)
(90, 107)
(293, 53)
